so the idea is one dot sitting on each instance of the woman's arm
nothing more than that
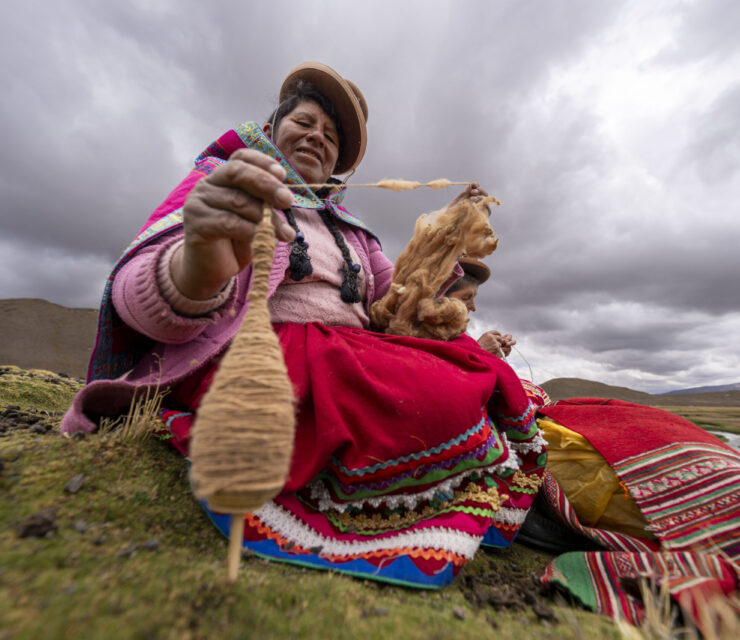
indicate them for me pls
(220, 216)
(147, 300)
(176, 286)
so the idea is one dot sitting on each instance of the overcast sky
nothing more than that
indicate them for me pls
(610, 131)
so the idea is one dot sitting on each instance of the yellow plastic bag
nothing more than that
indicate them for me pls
(589, 482)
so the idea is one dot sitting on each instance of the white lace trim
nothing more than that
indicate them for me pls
(409, 500)
(509, 515)
(288, 526)
(536, 444)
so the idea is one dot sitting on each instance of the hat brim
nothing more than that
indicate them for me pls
(479, 270)
(349, 110)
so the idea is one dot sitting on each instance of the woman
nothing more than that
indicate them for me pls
(408, 453)
(466, 289)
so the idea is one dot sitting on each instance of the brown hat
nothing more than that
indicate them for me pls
(479, 270)
(349, 102)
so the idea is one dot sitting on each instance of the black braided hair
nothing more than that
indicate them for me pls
(300, 263)
(349, 292)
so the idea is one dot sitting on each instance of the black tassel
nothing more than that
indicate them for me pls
(349, 292)
(300, 263)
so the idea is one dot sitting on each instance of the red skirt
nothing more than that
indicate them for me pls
(405, 450)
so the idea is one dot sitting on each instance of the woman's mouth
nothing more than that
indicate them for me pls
(310, 153)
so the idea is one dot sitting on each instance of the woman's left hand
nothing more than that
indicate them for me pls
(473, 192)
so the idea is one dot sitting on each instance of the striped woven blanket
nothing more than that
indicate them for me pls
(686, 484)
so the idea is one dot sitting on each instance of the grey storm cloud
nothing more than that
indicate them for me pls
(714, 150)
(609, 131)
(705, 30)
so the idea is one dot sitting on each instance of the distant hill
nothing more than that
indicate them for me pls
(718, 387)
(36, 334)
(563, 388)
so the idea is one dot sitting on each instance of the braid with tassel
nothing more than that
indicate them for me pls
(349, 293)
(300, 263)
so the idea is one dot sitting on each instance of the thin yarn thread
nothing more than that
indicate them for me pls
(394, 184)
(531, 375)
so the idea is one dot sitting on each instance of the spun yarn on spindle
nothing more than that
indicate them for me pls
(242, 439)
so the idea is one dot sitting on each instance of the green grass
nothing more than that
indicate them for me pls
(719, 418)
(36, 388)
(84, 582)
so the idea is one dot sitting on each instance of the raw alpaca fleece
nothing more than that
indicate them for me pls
(411, 306)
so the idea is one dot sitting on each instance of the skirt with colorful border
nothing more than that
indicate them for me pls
(409, 455)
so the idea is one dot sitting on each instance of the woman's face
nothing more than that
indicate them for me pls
(308, 139)
(466, 295)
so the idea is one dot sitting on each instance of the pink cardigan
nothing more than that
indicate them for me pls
(183, 343)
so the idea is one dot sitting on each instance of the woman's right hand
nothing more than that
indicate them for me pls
(220, 216)
(497, 343)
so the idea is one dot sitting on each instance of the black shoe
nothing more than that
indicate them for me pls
(542, 530)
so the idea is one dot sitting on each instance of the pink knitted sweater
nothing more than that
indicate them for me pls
(186, 341)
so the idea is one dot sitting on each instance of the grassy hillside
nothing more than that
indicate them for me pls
(101, 538)
(37, 334)
(718, 411)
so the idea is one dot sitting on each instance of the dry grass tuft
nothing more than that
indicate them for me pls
(661, 617)
(141, 420)
(718, 617)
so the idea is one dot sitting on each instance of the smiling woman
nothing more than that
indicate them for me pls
(309, 138)
(408, 453)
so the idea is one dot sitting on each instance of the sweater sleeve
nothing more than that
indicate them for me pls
(382, 268)
(147, 301)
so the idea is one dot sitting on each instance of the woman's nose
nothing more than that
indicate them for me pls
(315, 134)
